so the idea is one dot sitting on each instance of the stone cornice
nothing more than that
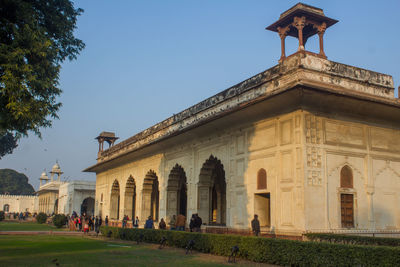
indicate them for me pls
(297, 69)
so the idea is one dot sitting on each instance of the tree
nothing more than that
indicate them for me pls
(14, 183)
(36, 36)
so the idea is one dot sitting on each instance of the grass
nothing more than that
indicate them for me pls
(42, 250)
(27, 226)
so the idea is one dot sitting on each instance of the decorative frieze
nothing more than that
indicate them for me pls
(313, 129)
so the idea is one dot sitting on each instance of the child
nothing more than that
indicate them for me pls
(86, 227)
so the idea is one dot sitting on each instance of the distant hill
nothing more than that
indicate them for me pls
(14, 183)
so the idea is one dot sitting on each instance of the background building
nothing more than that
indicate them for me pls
(76, 196)
(54, 196)
(13, 203)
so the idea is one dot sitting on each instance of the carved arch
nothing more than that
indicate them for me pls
(387, 166)
(346, 177)
(262, 179)
(341, 165)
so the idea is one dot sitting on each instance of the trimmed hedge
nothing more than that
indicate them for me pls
(41, 217)
(59, 220)
(354, 240)
(268, 250)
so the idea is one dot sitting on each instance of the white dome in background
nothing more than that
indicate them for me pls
(44, 176)
(56, 168)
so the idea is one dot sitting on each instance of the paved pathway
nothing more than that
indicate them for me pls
(41, 233)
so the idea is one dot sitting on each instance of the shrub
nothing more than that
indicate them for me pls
(41, 217)
(354, 240)
(59, 220)
(268, 250)
(2, 216)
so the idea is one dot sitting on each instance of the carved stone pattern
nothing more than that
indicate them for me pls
(313, 129)
(314, 177)
(314, 157)
(283, 31)
(320, 27)
(299, 22)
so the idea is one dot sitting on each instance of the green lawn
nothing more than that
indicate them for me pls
(27, 226)
(41, 250)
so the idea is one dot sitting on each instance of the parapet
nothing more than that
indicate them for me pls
(18, 196)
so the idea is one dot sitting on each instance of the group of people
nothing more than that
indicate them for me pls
(21, 216)
(175, 223)
(92, 223)
(84, 223)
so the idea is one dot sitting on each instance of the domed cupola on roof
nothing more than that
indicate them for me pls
(43, 177)
(56, 170)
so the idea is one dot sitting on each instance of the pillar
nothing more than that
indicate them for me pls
(204, 202)
(321, 30)
(299, 23)
(282, 34)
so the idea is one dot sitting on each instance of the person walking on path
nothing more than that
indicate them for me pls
(149, 223)
(80, 223)
(255, 225)
(96, 225)
(180, 222)
(86, 227)
(162, 225)
(106, 220)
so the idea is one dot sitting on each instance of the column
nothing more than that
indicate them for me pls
(321, 30)
(282, 34)
(299, 23)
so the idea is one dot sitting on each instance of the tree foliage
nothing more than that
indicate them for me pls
(36, 36)
(41, 217)
(14, 183)
(59, 220)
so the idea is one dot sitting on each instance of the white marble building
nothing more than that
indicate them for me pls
(56, 196)
(76, 196)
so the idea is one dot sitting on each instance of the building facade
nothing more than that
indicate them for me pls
(310, 145)
(56, 196)
(18, 203)
(77, 196)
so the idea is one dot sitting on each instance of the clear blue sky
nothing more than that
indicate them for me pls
(145, 60)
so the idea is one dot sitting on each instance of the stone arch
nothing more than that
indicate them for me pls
(340, 166)
(87, 206)
(212, 192)
(115, 200)
(150, 196)
(388, 167)
(130, 198)
(262, 179)
(346, 177)
(6, 208)
(177, 192)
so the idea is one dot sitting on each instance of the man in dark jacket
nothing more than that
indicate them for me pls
(149, 223)
(197, 222)
(255, 225)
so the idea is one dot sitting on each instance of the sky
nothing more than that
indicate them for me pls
(147, 60)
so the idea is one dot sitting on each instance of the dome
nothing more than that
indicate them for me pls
(56, 168)
(44, 176)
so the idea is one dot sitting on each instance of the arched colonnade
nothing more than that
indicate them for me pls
(211, 189)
